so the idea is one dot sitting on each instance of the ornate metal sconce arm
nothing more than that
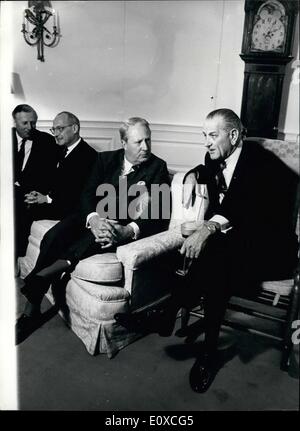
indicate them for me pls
(34, 27)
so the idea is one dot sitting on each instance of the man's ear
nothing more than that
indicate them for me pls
(76, 128)
(123, 143)
(234, 136)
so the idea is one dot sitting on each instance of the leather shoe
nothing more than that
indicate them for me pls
(26, 325)
(146, 322)
(203, 373)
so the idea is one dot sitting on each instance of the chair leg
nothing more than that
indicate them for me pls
(185, 316)
(291, 316)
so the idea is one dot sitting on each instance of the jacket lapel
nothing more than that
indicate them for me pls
(114, 168)
(140, 174)
(239, 177)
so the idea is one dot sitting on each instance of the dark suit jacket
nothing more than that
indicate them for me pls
(108, 169)
(68, 182)
(41, 164)
(260, 204)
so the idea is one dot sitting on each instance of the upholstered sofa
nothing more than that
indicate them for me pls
(137, 276)
(109, 283)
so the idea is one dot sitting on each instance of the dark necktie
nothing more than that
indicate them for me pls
(220, 179)
(20, 157)
(64, 151)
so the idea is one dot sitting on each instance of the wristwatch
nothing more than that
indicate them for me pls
(212, 226)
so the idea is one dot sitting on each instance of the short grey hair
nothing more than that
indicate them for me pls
(231, 120)
(71, 117)
(132, 122)
(23, 108)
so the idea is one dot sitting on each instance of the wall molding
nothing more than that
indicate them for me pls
(182, 146)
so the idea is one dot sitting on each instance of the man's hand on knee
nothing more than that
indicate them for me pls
(195, 243)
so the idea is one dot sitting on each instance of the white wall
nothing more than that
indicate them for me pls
(164, 60)
(169, 61)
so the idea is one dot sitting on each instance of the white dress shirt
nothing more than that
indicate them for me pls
(27, 149)
(71, 147)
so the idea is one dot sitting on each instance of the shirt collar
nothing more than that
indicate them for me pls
(127, 166)
(231, 161)
(71, 147)
(19, 139)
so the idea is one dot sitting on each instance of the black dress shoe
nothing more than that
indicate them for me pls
(146, 322)
(26, 325)
(203, 373)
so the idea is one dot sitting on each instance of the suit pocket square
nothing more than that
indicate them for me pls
(141, 183)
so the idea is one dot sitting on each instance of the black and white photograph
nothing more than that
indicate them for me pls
(150, 194)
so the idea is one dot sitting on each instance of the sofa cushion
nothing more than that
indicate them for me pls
(281, 287)
(100, 268)
(96, 302)
(40, 227)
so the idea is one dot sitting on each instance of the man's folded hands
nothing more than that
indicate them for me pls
(109, 232)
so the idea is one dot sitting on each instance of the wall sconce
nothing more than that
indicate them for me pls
(34, 27)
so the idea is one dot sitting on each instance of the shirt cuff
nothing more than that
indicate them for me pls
(223, 222)
(136, 230)
(88, 219)
(49, 200)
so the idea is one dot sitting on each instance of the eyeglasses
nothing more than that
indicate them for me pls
(59, 129)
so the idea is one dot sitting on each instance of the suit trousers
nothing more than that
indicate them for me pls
(22, 222)
(69, 240)
(212, 278)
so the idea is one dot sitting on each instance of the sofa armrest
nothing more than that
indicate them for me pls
(134, 254)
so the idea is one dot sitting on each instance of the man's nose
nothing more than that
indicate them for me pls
(56, 132)
(144, 145)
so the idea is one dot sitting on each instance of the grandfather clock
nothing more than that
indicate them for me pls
(266, 50)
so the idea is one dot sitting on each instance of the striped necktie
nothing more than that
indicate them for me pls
(220, 179)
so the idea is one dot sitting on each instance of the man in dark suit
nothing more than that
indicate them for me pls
(109, 215)
(248, 236)
(71, 173)
(35, 157)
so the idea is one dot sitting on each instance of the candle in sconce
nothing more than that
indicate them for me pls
(24, 16)
(54, 17)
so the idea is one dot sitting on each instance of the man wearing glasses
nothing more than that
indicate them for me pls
(73, 168)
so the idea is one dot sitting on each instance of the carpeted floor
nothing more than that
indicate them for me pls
(55, 372)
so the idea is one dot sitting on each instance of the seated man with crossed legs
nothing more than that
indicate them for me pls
(248, 236)
(89, 231)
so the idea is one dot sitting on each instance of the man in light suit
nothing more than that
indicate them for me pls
(248, 236)
(35, 156)
(106, 217)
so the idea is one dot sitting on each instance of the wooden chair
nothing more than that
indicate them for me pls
(274, 310)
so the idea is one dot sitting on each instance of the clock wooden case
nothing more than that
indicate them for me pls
(266, 49)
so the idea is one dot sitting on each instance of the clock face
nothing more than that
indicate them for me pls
(269, 32)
